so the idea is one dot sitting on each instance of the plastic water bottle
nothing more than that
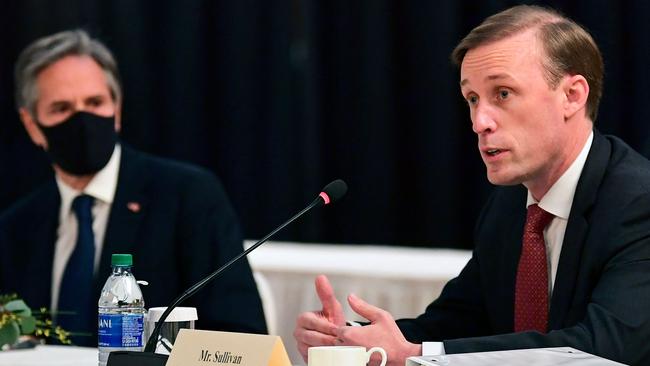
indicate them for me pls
(121, 310)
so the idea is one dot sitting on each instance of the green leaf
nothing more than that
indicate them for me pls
(4, 298)
(27, 324)
(18, 307)
(9, 334)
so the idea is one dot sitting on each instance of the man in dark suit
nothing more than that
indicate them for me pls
(174, 218)
(562, 252)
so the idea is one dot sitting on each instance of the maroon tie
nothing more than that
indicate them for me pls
(531, 290)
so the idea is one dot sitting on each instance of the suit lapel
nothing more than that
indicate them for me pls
(41, 245)
(129, 203)
(513, 238)
(574, 237)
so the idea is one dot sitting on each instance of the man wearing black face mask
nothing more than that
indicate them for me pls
(95, 136)
(107, 198)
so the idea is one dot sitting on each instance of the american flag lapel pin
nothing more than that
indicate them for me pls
(134, 207)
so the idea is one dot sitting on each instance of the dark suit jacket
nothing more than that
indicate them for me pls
(601, 298)
(184, 230)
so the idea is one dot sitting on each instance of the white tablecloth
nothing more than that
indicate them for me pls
(401, 280)
(50, 356)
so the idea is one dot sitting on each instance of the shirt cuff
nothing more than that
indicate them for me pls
(433, 348)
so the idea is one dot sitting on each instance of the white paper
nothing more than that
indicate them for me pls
(564, 356)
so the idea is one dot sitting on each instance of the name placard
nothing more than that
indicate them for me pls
(202, 347)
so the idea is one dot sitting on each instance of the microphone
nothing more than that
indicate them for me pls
(330, 194)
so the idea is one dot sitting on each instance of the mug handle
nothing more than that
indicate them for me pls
(380, 350)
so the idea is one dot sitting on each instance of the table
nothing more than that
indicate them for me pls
(46, 355)
(398, 279)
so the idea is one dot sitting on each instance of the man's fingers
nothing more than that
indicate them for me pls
(325, 292)
(315, 321)
(331, 307)
(313, 329)
(312, 338)
(366, 310)
(303, 349)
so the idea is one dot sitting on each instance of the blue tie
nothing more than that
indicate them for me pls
(77, 305)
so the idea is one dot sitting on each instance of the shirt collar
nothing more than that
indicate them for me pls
(559, 198)
(102, 186)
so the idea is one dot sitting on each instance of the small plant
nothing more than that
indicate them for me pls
(17, 319)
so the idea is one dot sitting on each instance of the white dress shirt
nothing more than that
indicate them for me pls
(558, 201)
(102, 187)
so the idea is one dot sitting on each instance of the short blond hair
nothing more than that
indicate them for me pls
(568, 47)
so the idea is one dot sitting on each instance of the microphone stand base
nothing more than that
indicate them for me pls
(132, 358)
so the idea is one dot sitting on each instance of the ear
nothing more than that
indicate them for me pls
(118, 117)
(32, 128)
(576, 91)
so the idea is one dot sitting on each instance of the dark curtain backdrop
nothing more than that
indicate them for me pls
(280, 97)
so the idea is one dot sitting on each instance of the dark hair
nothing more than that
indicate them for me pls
(568, 47)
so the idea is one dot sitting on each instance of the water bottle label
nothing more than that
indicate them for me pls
(120, 330)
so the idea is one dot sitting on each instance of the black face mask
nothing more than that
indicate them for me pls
(82, 144)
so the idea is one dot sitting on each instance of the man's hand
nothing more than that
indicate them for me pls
(382, 331)
(319, 328)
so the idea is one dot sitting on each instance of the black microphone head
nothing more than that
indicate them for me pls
(333, 191)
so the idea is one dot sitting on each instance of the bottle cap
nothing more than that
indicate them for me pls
(122, 260)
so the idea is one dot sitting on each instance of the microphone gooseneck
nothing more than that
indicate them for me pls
(331, 193)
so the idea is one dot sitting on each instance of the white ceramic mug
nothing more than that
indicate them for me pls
(179, 318)
(342, 356)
